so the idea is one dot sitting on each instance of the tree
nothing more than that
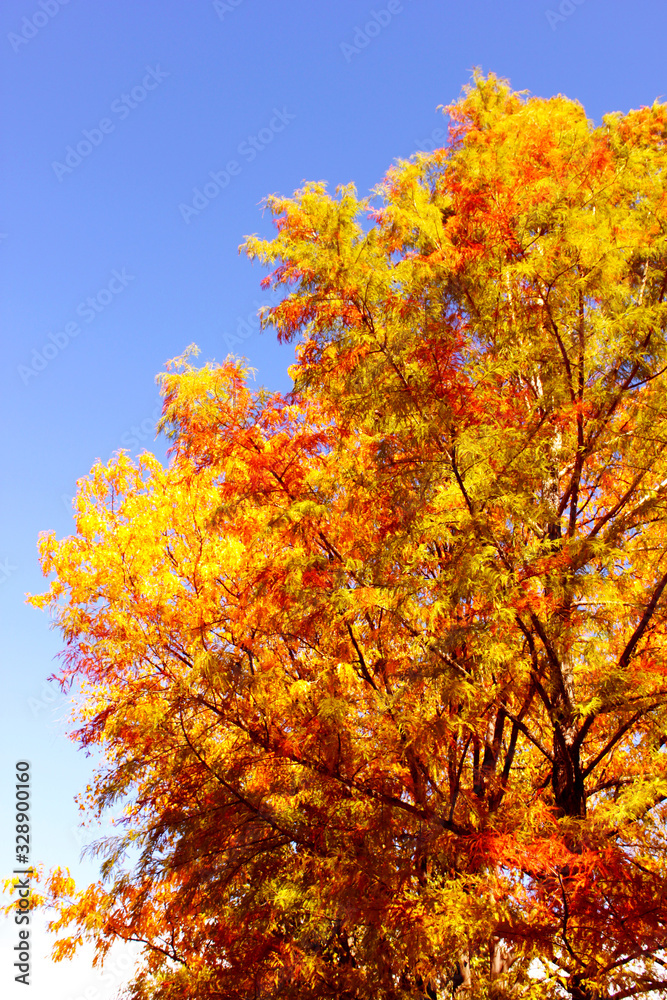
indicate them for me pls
(378, 668)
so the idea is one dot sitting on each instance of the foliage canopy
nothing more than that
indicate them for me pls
(379, 669)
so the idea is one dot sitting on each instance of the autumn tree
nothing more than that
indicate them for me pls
(379, 669)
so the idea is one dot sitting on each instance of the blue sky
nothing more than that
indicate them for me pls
(140, 138)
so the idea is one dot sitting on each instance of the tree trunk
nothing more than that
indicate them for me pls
(461, 982)
(581, 992)
(500, 960)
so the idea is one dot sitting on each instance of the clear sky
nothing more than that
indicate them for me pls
(140, 137)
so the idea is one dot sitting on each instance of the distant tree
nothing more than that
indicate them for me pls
(379, 669)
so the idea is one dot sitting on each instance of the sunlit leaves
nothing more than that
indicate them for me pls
(378, 669)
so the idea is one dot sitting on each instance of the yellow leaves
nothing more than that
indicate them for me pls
(66, 947)
(299, 690)
(630, 805)
(61, 883)
(348, 678)
(286, 898)
(365, 597)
